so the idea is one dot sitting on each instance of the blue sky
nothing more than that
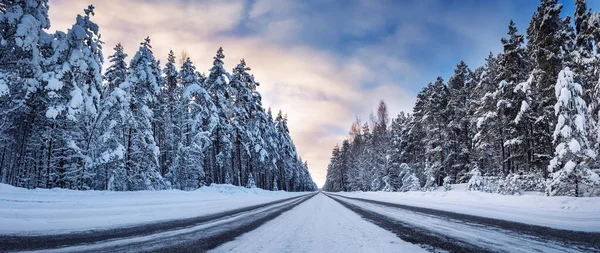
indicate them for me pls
(322, 62)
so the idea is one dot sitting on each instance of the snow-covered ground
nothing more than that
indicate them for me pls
(485, 237)
(52, 211)
(579, 214)
(319, 225)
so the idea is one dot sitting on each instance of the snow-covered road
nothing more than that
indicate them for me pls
(234, 219)
(319, 225)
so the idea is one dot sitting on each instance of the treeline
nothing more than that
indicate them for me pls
(526, 120)
(137, 126)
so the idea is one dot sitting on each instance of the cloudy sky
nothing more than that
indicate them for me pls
(322, 62)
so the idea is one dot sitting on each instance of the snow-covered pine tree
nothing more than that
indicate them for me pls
(116, 73)
(584, 57)
(398, 124)
(546, 36)
(344, 157)
(476, 181)
(410, 182)
(73, 94)
(218, 86)
(250, 184)
(115, 113)
(142, 153)
(489, 139)
(169, 133)
(354, 159)
(287, 153)
(367, 158)
(458, 130)
(380, 147)
(515, 137)
(241, 86)
(23, 43)
(430, 183)
(571, 174)
(194, 111)
(260, 161)
(333, 179)
(434, 122)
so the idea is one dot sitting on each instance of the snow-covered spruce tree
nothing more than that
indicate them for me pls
(73, 95)
(357, 146)
(431, 121)
(458, 131)
(410, 182)
(417, 147)
(250, 183)
(270, 135)
(195, 110)
(218, 87)
(366, 158)
(584, 58)
(513, 123)
(23, 45)
(332, 181)
(241, 86)
(585, 64)
(260, 130)
(380, 147)
(546, 37)
(476, 181)
(393, 181)
(170, 116)
(447, 183)
(511, 185)
(115, 113)
(142, 153)
(116, 73)
(489, 139)
(275, 184)
(430, 183)
(571, 175)
(288, 157)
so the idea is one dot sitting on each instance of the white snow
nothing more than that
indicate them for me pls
(76, 98)
(52, 211)
(54, 84)
(494, 239)
(574, 146)
(319, 225)
(3, 86)
(570, 213)
(53, 112)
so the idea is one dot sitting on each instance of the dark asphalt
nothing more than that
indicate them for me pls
(212, 238)
(584, 241)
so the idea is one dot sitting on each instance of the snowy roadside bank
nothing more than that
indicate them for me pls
(54, 211)
(570, 213)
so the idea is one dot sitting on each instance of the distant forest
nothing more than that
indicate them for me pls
(525, 121)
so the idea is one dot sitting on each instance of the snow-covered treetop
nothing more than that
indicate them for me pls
(170, 71)
(144, 67)
(116, 73)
